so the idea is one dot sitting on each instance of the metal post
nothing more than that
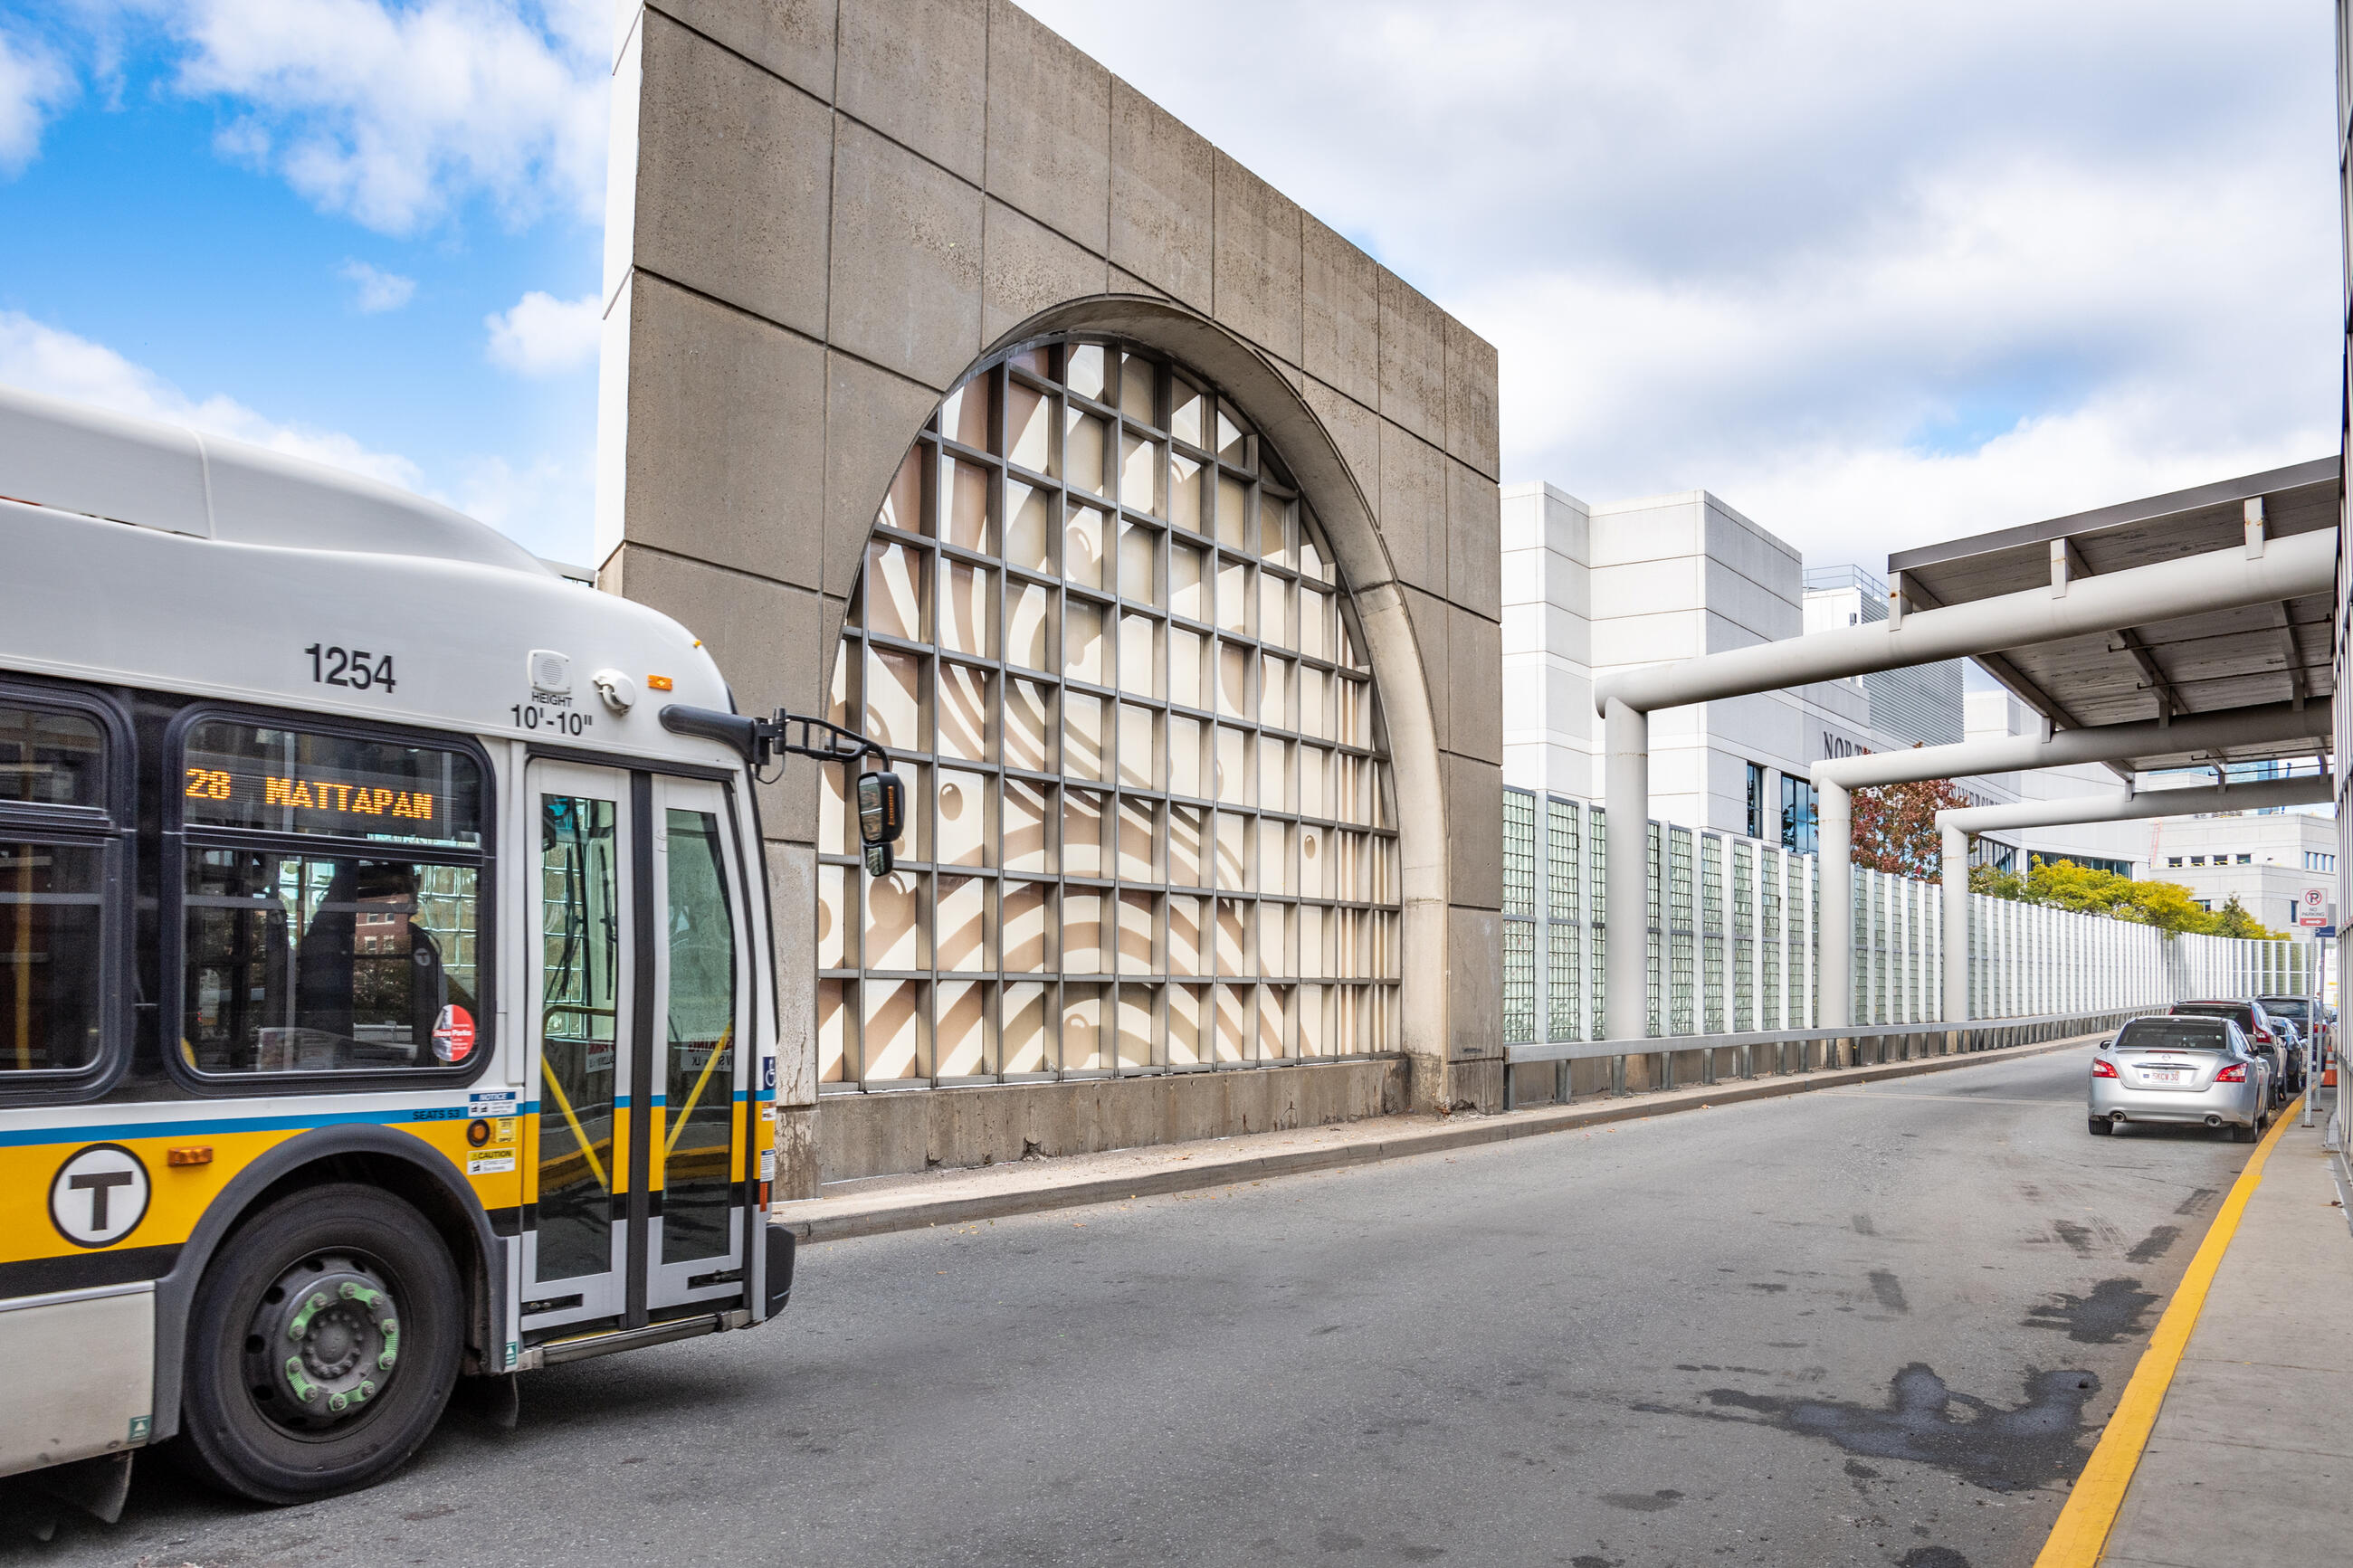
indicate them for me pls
(2312, 1040)
(1835, 842)
(1626, 792)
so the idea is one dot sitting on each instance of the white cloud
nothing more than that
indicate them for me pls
(395, 115)
(546, 504)
(33, 86)
(1874, 274)
(374, 291)
(44, 358)
(542, 335)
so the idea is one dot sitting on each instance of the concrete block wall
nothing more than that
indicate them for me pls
(824, 212)
(861, 1135)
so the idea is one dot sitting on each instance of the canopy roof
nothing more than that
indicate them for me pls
(2199, 663)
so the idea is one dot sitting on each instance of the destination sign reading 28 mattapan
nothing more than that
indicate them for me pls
(274, 781)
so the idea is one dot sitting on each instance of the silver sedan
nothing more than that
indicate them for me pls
(2181, 1071)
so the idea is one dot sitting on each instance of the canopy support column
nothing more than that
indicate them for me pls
(1834, 847)
(1626, 793)
(1956, 872)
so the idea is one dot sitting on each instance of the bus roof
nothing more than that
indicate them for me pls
(246, 576)
(70, 458)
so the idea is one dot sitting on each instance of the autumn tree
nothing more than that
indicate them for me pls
(1996, 883)
(1896, 827)
(2064, 885)
(2168, 906)
(2232, 920)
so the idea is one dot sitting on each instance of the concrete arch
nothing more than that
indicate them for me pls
(1307, 448)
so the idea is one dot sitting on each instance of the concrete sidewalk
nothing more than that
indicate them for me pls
(2252, 1450)
(880, 1204)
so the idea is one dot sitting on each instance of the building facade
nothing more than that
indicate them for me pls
(951, 388)
(2271, 861)
(1590, 589)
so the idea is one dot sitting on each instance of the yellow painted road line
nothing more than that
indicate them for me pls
(2082, 1532)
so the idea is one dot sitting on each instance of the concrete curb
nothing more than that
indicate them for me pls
(915, 1213)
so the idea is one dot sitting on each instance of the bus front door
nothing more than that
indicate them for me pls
(639, 987)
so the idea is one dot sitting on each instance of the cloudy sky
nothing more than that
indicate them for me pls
(1875, 274)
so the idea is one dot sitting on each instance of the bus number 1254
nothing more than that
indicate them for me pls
(356, 667)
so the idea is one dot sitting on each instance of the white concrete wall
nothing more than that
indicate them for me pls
(1590, 589)
(1549, 733)
(1680, 576)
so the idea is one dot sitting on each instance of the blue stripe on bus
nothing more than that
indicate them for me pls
(222, 1126)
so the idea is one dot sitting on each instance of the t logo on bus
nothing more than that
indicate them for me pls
(99, 1196)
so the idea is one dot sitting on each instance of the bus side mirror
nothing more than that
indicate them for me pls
(881, 816)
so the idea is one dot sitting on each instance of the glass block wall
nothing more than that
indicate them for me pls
(1742, 942)
(1152, 825)
(1731, 959)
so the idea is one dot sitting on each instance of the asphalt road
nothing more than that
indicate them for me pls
(1864, 1326)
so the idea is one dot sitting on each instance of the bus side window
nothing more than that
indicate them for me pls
(332, 894)
(56, 928)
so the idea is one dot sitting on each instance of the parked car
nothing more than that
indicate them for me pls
(2313, 1022)
(2255, 1023)
(2184, 1070)
(2299, 1053)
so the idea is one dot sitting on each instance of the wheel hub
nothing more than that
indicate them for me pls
(324, 1342)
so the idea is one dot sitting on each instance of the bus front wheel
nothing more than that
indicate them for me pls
(322, 1345)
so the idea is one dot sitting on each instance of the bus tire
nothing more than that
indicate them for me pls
(357, 1285)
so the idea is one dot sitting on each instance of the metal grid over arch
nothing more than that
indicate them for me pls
(1153, 825)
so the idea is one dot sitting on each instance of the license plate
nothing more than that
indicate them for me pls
(2160, 1075)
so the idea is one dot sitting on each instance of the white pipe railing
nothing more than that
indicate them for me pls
(1728, 930)
(2264, 571)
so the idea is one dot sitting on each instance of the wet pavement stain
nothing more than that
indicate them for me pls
(2077, 1237)
(1644, 1502)
(1889, 1290)
(2026, 1446)
(2110, 1313)
(1932, 1557)
(2197, 1202)
(2155, 1245)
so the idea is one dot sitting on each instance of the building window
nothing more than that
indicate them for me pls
(2246, 859)
(1152, 825)
(2175, 861)
(2198, 859)
(1799, 801)
(1755, 800)
(2088, 862)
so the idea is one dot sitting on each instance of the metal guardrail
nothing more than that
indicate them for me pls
(1664, 1048)
(1660, 1045)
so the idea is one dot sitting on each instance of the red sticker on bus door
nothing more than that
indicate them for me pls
(453, 1035)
